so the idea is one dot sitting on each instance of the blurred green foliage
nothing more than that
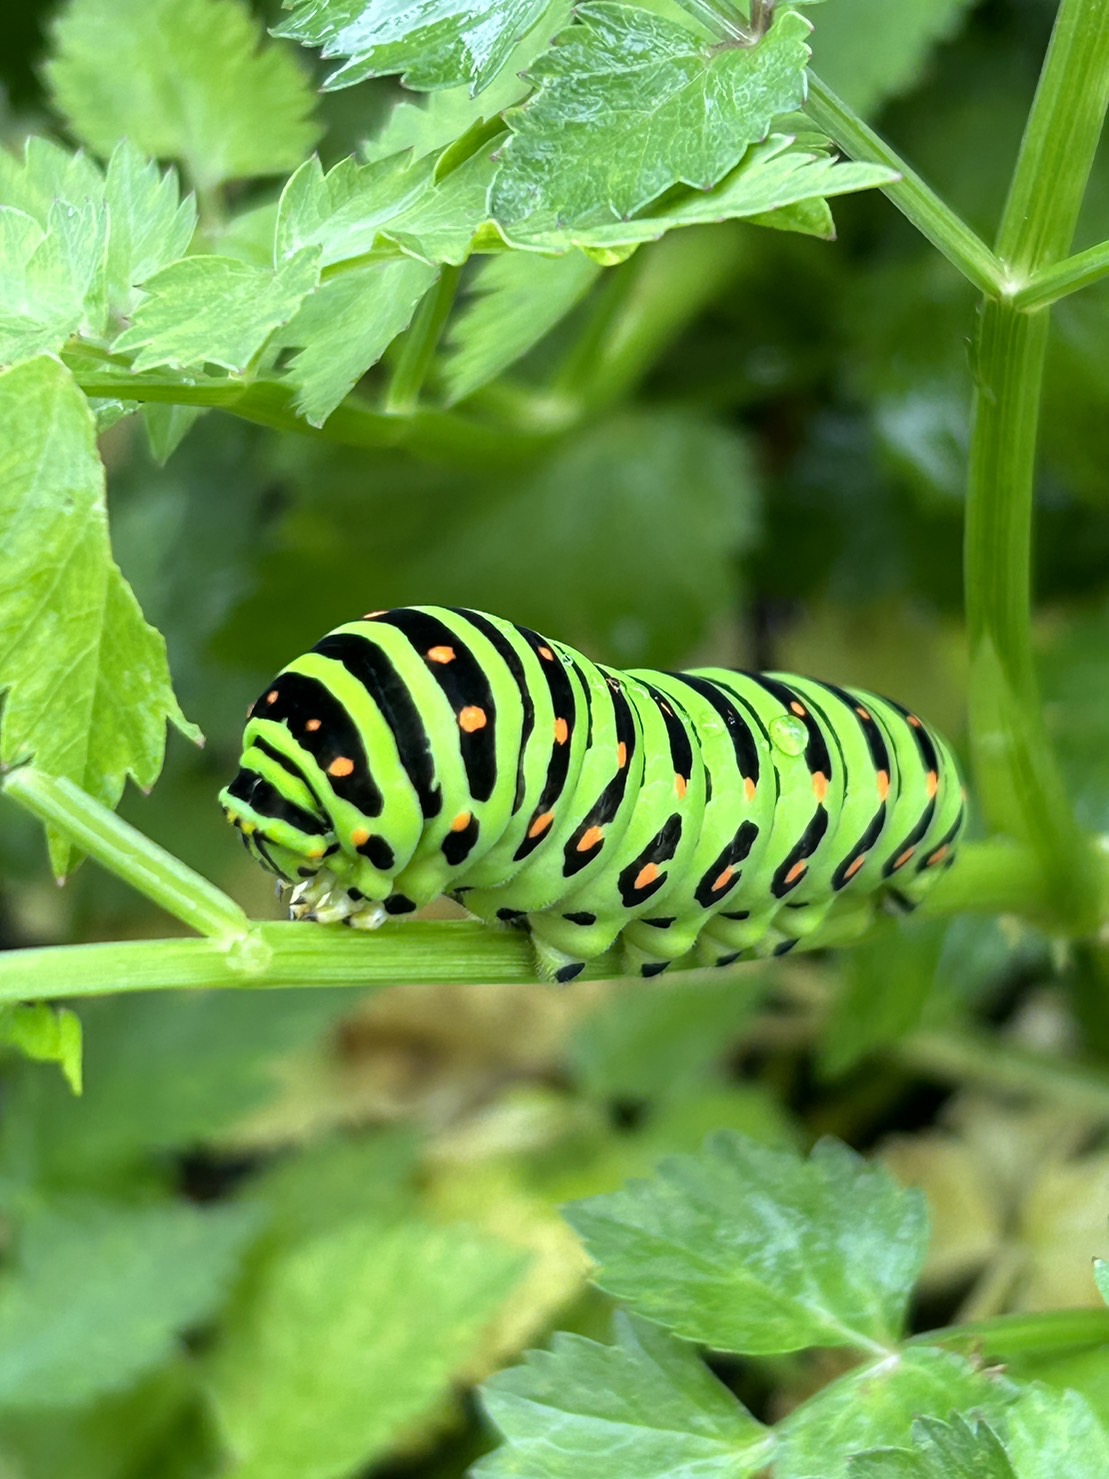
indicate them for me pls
(282, 1232)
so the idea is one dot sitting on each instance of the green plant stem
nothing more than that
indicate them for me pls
(1017, 777)
(1069, 276)
(913, 198)
(419, 344)
(148, 868)
(437, 435)
(969, 1057)
(1005, 1336)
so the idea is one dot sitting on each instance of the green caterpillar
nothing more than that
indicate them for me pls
(426, 751)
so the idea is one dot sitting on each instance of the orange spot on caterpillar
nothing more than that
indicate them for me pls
(913, 720)
(471, 718)
(820, 785)
(342, 766)
(461, 821)
(931, 783)
(621, 755)
(864, 714)
(360, 836)
(883, 782)
(796, 872)
(312, 725)
(315, 854)
(904, 858)
(647, 874)
(590, 839)
(749, 789)
(722, 879)
(561, 731)
(271, 697)
(854, 868)
(540, 825)
(681, 785)
(440, 654)
(938, 856)
(798, 709)
(546, 654)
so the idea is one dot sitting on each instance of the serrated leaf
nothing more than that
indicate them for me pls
(88, 687)
(645, 1407)
(116, 227)
(631, 104)
(355, 209)
(151, 225)
(513, 301)
(773, 179)
(46, 1034)
(98, 1293)
(347, 1339)
(876, 1406)
(870, 51)
(754, 1250)
(433, 43)
(959, 1449)
(201, 85)
(52, 284)
(347, 325)
(428, 124)
(215, 310)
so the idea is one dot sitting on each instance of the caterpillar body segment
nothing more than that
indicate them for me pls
(712, 814)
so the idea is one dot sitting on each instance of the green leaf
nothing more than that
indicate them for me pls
(775, 184)
(1046, 1433)
(167, 426)
(48, 289)
(215, 310)
(513, 301)
(645, 1407)
(192, 80)
(630, 104)
(88, 687)
(398, 202)
(120, 226)
(345, 1341)
(959, 1449)
(46, 1034)
(150, 225)
(429, 123)
(1101, 1278)
(437, 43)
(869, 51)
(876, 1406)
(347, 325)
(754, 1250)
(1052, 1433)
(98, 1294)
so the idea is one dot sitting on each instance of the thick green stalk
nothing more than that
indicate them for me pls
(1016, 775)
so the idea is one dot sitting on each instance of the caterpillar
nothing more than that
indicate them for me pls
(716, 814)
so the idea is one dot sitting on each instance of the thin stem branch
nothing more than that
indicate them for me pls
(419, 344)
(1069, 276)
(435, 434)
(128, 853)
(916, 201)
(1005, 1336)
